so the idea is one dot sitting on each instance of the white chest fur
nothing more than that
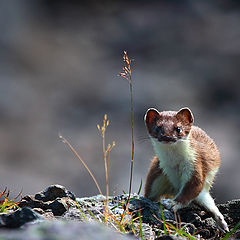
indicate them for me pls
(176, 160)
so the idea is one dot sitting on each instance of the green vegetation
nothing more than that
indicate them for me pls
(8, 204)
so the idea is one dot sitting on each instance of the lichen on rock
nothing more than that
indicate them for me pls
(56, 203)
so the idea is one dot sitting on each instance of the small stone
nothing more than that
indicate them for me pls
(18, 218)
(58, 207)
(38, 210)
(170, 238)
(150, 211)
(31, 202)
(55, 191)
(49, 216)
(39, 196)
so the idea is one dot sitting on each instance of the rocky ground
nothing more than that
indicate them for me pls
(56, 213)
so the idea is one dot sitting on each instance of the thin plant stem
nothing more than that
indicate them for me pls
(140, 225)
(84, 164)
(133, 149)
(106, 169)
(106, 157)
(127, 74)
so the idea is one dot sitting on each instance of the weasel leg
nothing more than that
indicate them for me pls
(205, 200)
(157, 183)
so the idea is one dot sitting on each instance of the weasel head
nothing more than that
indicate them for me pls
(168, 127)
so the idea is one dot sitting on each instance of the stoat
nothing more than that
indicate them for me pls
(186, 161)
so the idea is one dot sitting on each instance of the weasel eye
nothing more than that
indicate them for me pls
(178, 130)
(158, 129)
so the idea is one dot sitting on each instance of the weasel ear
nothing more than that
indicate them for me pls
(185, 114)
(151, 115)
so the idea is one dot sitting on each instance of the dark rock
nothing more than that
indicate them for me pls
(150, 211)
(18, 218)
(38, 210)
(57, 203)
(192, 217)
(55, 198)
(58, 207)
(209, 228)
(73, 214)
(147, 231)
(31, 202)
(169, 238)
(53, 192)
(231, 211)
(237, 235)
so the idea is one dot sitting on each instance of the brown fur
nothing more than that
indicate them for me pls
(153, 173)
(192, 188)
(206, 149)
(207, 155)
(187, 168)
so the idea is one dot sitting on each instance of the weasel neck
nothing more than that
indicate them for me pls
(177, 160)
(174, 153)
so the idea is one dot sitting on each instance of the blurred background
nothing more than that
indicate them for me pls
(59, 62)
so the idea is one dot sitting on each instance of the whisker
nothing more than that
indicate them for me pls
(142, 139)
(183, 140)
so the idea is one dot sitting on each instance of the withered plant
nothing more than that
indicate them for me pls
(106, 157)
(127, 74)
(64, 140)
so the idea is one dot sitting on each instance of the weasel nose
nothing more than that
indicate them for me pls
(162, 138)
(166, 138)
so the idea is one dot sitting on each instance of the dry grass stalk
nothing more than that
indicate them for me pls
(106, 157)
(127, 74)
(79, 157)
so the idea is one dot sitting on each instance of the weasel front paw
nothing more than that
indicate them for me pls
(222, 224)
(170, 204)
(177, 206)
